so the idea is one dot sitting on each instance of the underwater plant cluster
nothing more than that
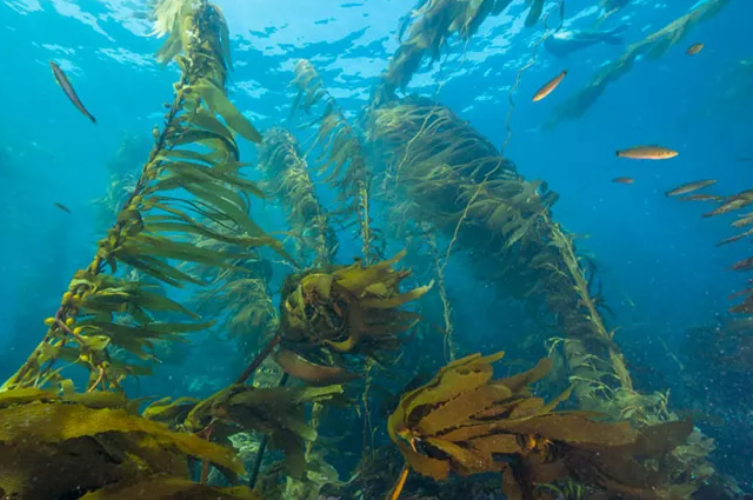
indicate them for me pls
(330, 360)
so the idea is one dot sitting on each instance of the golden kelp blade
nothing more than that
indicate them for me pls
(68, 89)
(647, 153)
(549, 87)
(694, 49)
(690, 187)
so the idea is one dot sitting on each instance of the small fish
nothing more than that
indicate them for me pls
(733, 203)
(68, 89)
(694, 49)
(623, 180)
(62, 207)
(647, 153)
(700, 197)
(690, 187)
(549, 87)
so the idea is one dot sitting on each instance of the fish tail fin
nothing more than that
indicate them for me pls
(612, 37)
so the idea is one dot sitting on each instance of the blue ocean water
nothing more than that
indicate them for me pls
(661, 269)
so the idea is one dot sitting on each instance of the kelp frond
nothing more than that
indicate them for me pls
(342, 157)
(466, 422)
(276, 412)
(288, 180)
(191, 176)
(348, 310)
(103, 447)
(653, 46)
(434, 22)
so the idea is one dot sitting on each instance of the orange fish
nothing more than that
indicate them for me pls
(623, 180)
(694, 49)
(68, 89)
(549, 87)
(647, 153)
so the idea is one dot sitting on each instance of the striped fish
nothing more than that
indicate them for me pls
(68, 89)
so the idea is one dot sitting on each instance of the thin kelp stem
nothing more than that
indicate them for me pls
(400, 483)
(259, 458)
(259, 359)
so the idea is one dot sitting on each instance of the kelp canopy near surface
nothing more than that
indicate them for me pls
(434, 22)
(653, 46)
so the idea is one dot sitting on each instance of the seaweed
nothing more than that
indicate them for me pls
(448, 175)
(464, 422)
(342, 156)
(653, 46)
(195, 154)
(104, 448)
(348, 310)
(276, 412)
(287, 179)
(436, 21)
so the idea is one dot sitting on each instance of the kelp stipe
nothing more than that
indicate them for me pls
(194, 154)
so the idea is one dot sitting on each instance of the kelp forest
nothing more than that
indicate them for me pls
(354, 376)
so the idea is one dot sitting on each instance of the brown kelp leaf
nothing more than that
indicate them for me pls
(427, 466)
(520, 381)
(468, 460)
(170, 488)
(457, 410)
(218, 103)
(311, 373)
(573, 428)
(463, 375)
(55, 422)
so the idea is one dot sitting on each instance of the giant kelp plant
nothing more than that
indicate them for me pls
(194, 154)
(434, 22)
(447, 175)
